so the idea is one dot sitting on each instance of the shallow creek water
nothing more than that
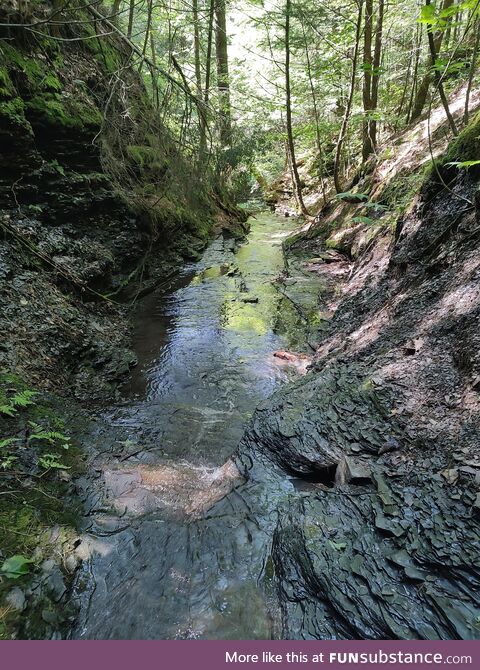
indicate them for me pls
(177, 541)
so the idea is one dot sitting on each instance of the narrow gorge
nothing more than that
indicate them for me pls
(237, 401)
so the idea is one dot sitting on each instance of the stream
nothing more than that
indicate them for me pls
(176, 541)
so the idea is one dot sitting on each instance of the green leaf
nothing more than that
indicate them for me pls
(23, 399)
(7, 462)
(16, 566)
(464, 165)
(349, 194)
(48, 461)
(362, 219)
(6, 442)
(376, 206)
(427, 14)
(8, 410)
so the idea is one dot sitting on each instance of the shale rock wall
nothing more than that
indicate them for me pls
(384, 432)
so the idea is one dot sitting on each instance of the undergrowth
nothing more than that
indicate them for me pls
(36, 457)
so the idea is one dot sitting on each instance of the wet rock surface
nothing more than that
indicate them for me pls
(387, 546)
(308, 427)
(399, 562)
(162, 459)
(354, 517)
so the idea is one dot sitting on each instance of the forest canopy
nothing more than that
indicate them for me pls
(249, 87)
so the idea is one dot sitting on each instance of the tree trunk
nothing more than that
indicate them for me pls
(422, 91)
(198, 75)
(315, 113)
(130, 19)
(208, 59)
(348, 107)
(418, 45)
(288, 114)
(438, 77)
(371, 76)
(377, 59)
(115, 11)
(222, 73)
(473, 63)
(367, 78)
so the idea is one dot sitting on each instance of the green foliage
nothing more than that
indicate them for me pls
(52, 437)
(7, 442)
(48, 461)
(16, 566)
(464, 165)
(466, 147)
(21, 399)
(6, 463)
(40, 429)
(352, 197)
(362, 219)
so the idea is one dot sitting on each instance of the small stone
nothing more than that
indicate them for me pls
(71, 563)
(390, 445)
(450, 475)
(476, 504)
(49, 617)
(48, 565)
(64, 476)
(55, 584)
(16, 599)
(351, 471)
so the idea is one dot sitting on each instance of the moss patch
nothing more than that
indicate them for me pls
(466, 147)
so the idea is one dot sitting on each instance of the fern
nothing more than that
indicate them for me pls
(48, 461)
(465, 165)
(9, 410)
(23, 399)
(50, 436)
(20, 399)
(7, 462)
(6, 442)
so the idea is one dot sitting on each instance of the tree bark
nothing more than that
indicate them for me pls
(348, 107)
(208, 58)
(422, 91)
(130, 19)
(367, 77)
(115, 11)
(471, 73)
(198, 75)
(371, 76)
(288, 114)
(222, 73)
(438, 77)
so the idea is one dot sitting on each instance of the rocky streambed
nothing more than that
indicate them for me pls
(318, 525)
(253, 484)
